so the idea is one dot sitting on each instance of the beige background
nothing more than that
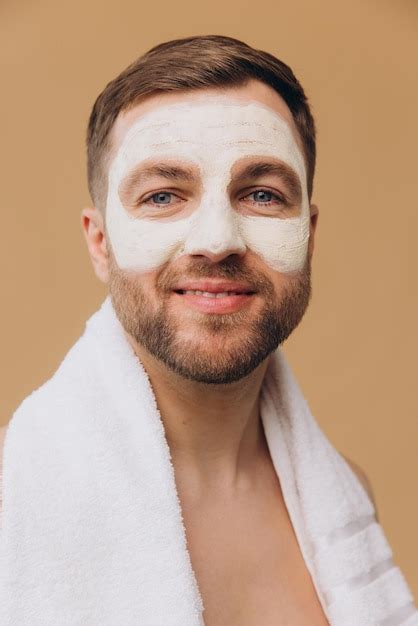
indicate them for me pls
(355, 353)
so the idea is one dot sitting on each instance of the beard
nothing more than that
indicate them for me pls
(227, 347)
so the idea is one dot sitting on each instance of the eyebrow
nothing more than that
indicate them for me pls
(283, 171)
(142, 173)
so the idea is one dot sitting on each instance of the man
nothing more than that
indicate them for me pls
(201, 158)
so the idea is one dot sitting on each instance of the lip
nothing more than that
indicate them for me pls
(206, 304)
(214, 286)
(215, 305)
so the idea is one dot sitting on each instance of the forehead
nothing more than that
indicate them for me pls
(252, 92)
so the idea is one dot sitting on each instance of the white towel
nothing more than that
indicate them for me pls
(92, 532)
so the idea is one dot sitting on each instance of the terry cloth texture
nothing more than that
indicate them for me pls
(92, 532)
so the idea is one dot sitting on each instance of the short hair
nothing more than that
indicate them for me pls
(187, 64)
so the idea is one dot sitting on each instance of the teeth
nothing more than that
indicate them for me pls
(208, 294)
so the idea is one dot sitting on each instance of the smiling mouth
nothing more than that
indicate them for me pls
(211, 294)
(214, 302)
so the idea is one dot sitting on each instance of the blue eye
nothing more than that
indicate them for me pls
(264, 197)
(162, 197)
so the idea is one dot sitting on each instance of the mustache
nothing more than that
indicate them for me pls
(228, 269)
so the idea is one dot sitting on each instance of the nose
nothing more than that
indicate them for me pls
(215, 233)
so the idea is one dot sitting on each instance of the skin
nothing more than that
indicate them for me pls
(213, 431)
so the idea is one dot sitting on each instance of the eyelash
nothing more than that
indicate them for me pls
(279, 198)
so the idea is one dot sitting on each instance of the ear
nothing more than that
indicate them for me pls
(314, 211)
(92, 223)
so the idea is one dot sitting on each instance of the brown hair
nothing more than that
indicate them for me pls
(192, 63)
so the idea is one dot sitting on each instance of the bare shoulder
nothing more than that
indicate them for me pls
(363, 478)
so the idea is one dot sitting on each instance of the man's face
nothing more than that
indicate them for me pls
(207, 226)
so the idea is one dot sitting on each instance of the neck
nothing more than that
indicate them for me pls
(214, 432)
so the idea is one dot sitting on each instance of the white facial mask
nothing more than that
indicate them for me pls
(213, 135)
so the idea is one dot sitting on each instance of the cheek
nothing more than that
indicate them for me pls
(144, 245)
(283, 244)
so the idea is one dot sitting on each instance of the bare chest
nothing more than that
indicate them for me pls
(248, 564)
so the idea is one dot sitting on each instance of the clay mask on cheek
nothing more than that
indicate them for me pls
(212, 135)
